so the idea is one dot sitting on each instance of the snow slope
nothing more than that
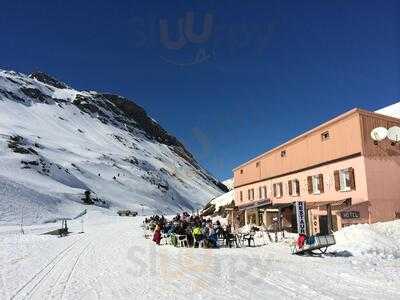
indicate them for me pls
(57, 142)
(391, 110)
(112, 260)
(229, 183)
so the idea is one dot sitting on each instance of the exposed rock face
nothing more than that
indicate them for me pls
(43, 77)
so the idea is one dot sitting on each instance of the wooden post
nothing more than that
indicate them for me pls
(257, 217)
(329, 218)
(246, 218)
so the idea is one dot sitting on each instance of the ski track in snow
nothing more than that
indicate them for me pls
(112, 260)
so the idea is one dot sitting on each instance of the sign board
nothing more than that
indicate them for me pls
(350, 215)
(301, 217)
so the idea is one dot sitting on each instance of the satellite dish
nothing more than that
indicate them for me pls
(379, 134)
(394, 134)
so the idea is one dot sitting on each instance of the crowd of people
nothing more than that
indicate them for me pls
(197, 230)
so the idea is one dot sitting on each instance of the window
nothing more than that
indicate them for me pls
(344, 180)
(294, 187)
(260, 192)
(241, 171)
(257, 164)
(283, 153)
(315, 184)
(265, 191)
(250, 194)
(278, 190)
(241, 196)
(325, 136)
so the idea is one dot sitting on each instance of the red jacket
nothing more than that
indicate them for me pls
(157, 237)
(300, 241)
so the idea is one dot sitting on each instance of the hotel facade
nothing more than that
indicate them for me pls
(336, 168)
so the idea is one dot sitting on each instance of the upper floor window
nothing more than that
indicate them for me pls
(260, 193)
(257, 164)
(241, 171)
(283, 153)
(294, 187)
(278, 190)
(265, 191)
(315, 184)
(250, 194)
(325, 135)
(345, 180)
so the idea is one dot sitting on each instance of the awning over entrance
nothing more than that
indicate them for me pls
(257, 204)
(335, 205)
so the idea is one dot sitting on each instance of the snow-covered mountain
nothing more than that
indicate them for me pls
(56, 142)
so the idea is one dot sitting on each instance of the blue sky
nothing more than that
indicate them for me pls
(265, 72)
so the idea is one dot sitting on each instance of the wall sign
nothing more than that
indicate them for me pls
(301, 217)
(350, 214)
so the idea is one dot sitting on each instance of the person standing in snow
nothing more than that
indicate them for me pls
(157, 235)
(212, 237)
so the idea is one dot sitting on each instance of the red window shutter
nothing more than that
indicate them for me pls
(309, 184)
(337, 180)
(352, 179)
(321, 183)
(290, 188)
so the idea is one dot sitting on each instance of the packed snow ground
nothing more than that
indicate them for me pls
(112, 260)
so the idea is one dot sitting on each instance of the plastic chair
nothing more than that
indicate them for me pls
(182, 241)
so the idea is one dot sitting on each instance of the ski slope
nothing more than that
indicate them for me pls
(112, 260)
(56, 142)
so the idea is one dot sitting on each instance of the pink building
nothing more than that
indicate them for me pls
(334, 167)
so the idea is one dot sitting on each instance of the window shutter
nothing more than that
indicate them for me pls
(337, 180)
(290, 187)
(321, 183)
(274, 186)
(297, 184)
(309, 183)
(352, 179)
(281, 189)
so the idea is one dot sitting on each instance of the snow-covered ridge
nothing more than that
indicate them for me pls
(56, 142)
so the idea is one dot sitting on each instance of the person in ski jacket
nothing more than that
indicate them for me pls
(300, 241)
(212, 237)
(157, 235)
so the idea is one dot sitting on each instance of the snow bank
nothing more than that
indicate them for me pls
(228, 183)
(391, 110)
(223, 200)
(380, 240)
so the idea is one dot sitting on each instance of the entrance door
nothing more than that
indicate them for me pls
(323, 225)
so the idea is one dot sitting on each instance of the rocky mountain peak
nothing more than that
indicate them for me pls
(47, 79)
